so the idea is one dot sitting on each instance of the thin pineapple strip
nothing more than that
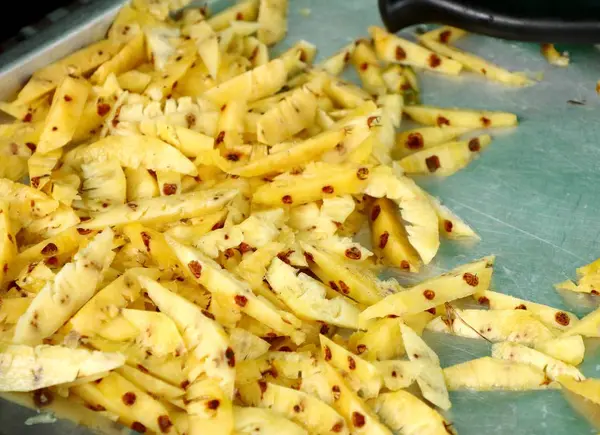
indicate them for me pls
(73, 286)
(451, 226)
(129, 57)
(27, 368)
(246, 345)
(381, 341)
(305, 296)
(209, 409)
(261, 82)
(25, 204)
(445, 159)
(445, 34)
(256, 51)
(410, 141)
(298, 406)
(244, 11)
(13, 308)
(230, 126)
(551, 317)
(272, 17)
(430, 377)
(495, 325)
(153, 242)
(391, 48)
(163, 209)
(104, 184)
(133, 151)
(59, 220)
(362, 376)
(488, 374)
(82, 61)
(476, 64)
(32, 281)
(439, 116)
(8, 244)
(198, 226)
(406, 414)
(134, 407)
(40, 167)
(208, 273)
(134, 81)
(397, 374)
(367, 66)
(588, 326)
(553, 368)
(345, 94)
(337, 62)
(255, 421)
(569, 349)
(169, 182)
(463, 281)
(389, 236)
(553, 56)
(157, 332)
(150, 384)
(297, 58)
(589, 388)
(140, 184)
(34, 111)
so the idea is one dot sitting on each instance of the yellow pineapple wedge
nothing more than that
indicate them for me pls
(8, 247)
(140, 184)
(569, 349)
(588, 326)
(27, 368)
(463, 281)
(104, 184)
(397, 374)
(451, 226)
(72, 287)
(306, 297)
(247, 345)
(175, 68)
(404, 413)
(62, 218)
(40, 167)
(307, 411)
(209, 409)
(134, 407)
(452, 117)
(553, 368)
(589, 388)
(130, 56)
(382, 340)
(151, 384)
(410, 141)
(272, 17)
(25, 204)
(258, 421)
(133, 151)
(157, 332)
(487, 374)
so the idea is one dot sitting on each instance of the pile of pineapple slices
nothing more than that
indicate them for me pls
(182, 259)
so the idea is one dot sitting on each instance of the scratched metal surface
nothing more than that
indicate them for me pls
(532, 196)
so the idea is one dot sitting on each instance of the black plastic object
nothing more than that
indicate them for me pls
(573, 22)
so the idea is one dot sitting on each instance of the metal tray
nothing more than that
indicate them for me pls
(533, 195)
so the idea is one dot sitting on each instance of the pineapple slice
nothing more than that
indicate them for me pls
(429, 115)
(305, 296)
(255, 51)
(153, 242)
(13, 308)
(569, 349)
(140, 184)
(295, 156)
(551, 317)
(33, 279)
(258, 421)
(355, 282)
(430, 377)
(475, 64)
(244, 11)
(337, 62)
(163, 209)
(134, 407)
(362, 376)
(165, 81)
(450, 225)
(40, 167)
(553, 368)
(106, 305)
(133, 151)
(198, 226)
(445, 159)
(405, 414)
(588, 326)
(247, 345)
(26, 368)
(289, 116)
(461, 282)
(169, 182)
(230, 126)
(495, 325)
(397, 374)
(313, 414)
(253, 266)
(589, 388)
(62, 119)
(445, 34)
(59, 220)
(157, 332)
(487, 374)
(209, 408)
(261, 82)
(553, 56)
(34, 111)
(381, 341)
(367, 66)
(104, 184)
(209, 274)
(45, 80)
(207, 43)
(73, 286)
(25, 204)
(345, 94)
(410, 141)
(391, 48)
(157, 387)
(272, 17)
(129, 57)
(8, 246)
(134, 81)
(312, 185)
(389, 236)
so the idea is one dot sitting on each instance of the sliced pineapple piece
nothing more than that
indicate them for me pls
(25, 204)
(391, 48)
(410, 141)
(72, 287)
(362, 376)
(381, 341)
(153, 242)
(258, 421)
(8, 245)
(33, 279)
(244, 11)
(208, 273)
(59, 220)
(165, 81)
(345, 94)
(589, 388)
(11, 309)
(487, 374)
(551, 317)
(272, 17)
(157, 332)
(553, 368)
(430, 377)
(495, 325)
(163, 209)
(397, 374)
(451, 226)
(305, 296)
(247, 345)
(133, 151)
(569, 349)
(337, 62)
(445, 34)
(406, 414)
(367, 66)
(129, 57)
(461, 282)
(134, 81)
(588, 326)
(209, 408)
(140, 184)
(429, 115)
(157, 387)
(104, 184)
(26, 368)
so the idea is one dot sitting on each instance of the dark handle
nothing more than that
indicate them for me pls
(574, 21)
